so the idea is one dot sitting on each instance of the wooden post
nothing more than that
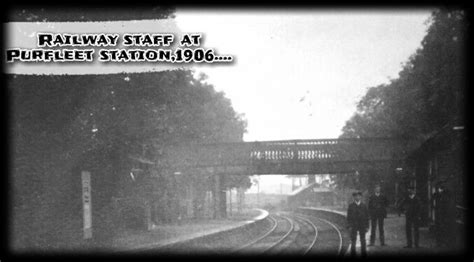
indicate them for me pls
(217, 196)
(239, 199)
(230, 202)
(87, 204)
(149, 224)
(223, 197)
(189, 205)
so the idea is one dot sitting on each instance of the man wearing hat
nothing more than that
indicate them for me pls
(444, 216)
(411, 205)
(358, 222)
(378, 212)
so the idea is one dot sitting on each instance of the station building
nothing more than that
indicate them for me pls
(441, 158)
(312, 194)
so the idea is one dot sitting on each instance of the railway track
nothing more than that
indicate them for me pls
(331, 237)
(297, 235)
(287, 234)
(281, 230)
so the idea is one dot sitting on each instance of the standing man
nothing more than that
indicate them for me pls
(411, 205)
(358, 222)
(378, 212)
(445, 216)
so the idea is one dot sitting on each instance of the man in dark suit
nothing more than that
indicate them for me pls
(358, 222)
(411, 205)
(445, 216)
(378, 212)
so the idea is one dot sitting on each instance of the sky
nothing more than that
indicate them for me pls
(299, 74)
(295, 75)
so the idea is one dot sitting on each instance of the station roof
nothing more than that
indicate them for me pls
(314, 186)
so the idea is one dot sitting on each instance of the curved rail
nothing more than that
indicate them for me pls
(275, 224)
(315, 233)
(266, 235)
(292, 220)
(292, 227)
(337, 230)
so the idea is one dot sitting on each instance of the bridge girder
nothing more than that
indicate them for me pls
(322, 156)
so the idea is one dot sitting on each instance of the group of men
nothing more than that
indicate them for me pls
(359, 215)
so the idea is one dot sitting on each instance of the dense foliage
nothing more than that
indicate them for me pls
(64, 124)
(427, 95)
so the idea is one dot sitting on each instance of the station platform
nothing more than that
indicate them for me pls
(164, 235)
(395, 240)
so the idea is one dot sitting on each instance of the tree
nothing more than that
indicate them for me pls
(428, 93)
(62, 124)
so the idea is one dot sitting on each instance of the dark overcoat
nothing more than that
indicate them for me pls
(378, 206)
(358, 216)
